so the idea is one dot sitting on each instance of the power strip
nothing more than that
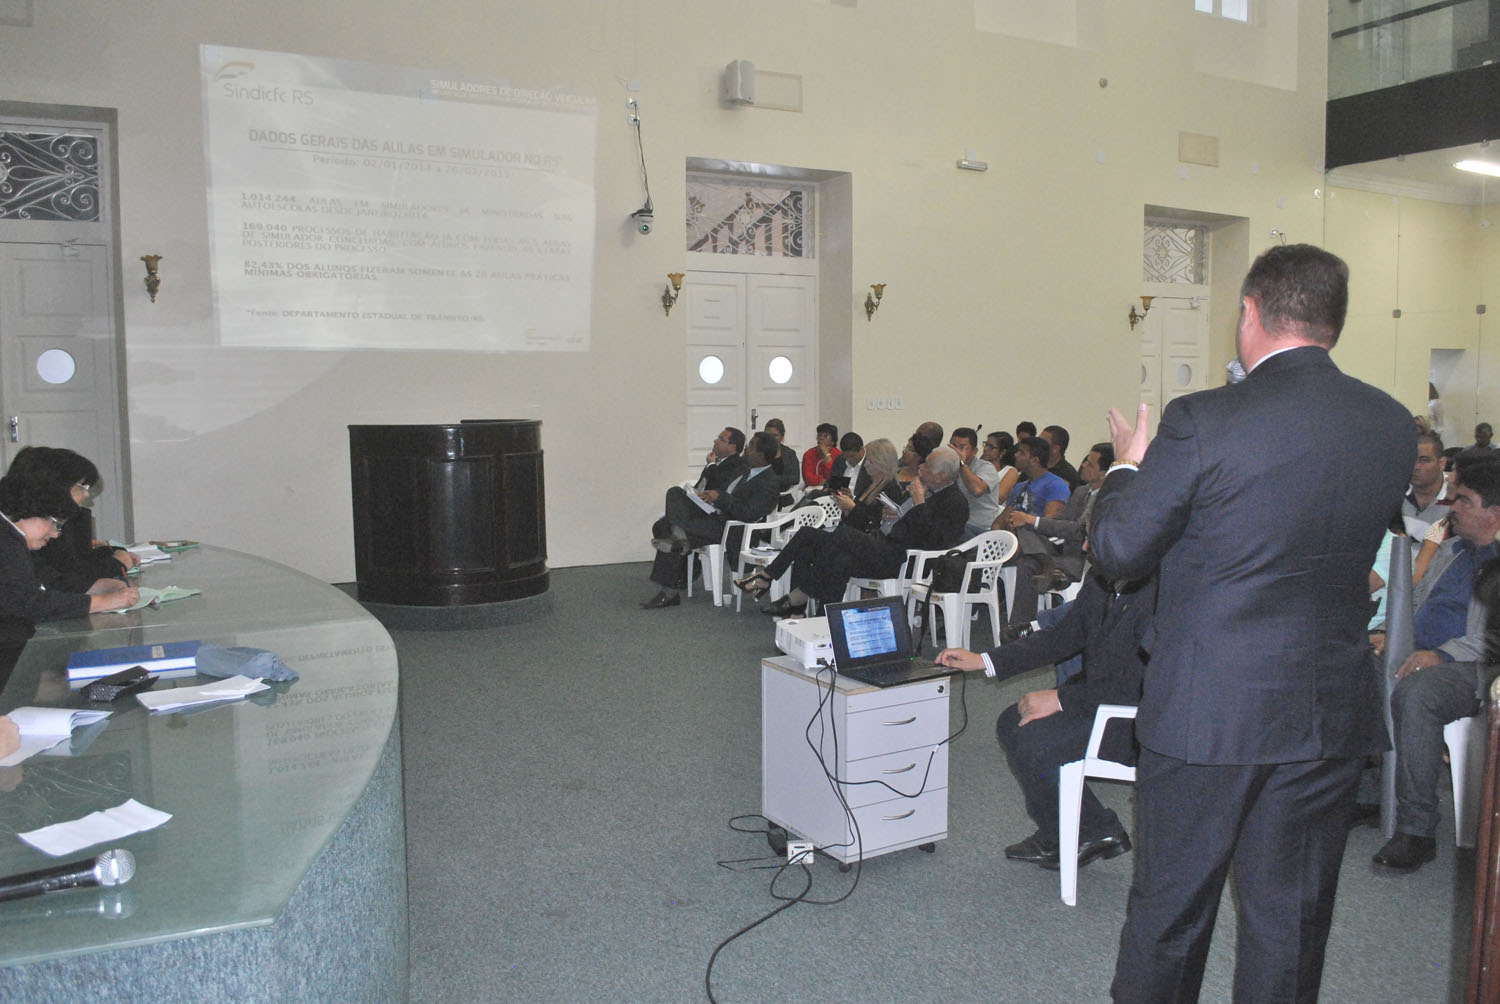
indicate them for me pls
(799, 852)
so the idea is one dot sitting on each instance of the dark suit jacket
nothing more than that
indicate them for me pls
(1263, 504)
(935, 525)
(716, 477)
(753, 498)
(1107, 629)
(23, 598)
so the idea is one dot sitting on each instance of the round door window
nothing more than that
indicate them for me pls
(56, 366)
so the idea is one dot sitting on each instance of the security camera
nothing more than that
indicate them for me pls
(642, 218)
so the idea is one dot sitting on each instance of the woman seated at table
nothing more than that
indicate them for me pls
(36, 511)
(75, 560)
(817, 463)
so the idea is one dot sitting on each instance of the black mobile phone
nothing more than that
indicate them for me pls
(117, 685)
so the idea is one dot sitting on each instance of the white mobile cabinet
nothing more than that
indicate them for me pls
(863, 733)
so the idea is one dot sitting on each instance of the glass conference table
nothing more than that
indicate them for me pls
(281, 872)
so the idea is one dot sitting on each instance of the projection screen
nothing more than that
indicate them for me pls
(356, 206)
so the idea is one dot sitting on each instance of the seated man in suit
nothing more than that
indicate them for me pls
(823, 563)
(849, 466)
(725, 463)
(686, 524)
(1048, 728)
(1447, 676)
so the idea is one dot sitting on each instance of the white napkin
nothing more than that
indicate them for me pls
(124, 819)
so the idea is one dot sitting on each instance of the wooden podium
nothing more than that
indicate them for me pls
(448, 515)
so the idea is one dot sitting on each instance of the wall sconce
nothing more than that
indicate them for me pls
(872, 299)
(153, 281)
(1145, 309)
(1279, 236)
(669, 294)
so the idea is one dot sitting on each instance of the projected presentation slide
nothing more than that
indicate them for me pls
(355, 206)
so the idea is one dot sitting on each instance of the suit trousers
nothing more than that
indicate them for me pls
(1036, 751)
(1422, 703)
(1280, 828)
(670, 570)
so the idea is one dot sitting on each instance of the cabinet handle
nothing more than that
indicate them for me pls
(901, 815)
(900, 770)
(907, 722)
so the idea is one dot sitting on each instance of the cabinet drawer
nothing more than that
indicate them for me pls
(897, 727)
(902, 820)
(903, 770)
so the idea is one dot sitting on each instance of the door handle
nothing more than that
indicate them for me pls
(753, 414)
(15, 428)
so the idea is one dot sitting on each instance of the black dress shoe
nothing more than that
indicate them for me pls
(1364, 814)
(1108, 847)
(1054, 580)
(784, 607)
(1033, 850)
(1406, 852)
(662, 600)
(1012, 632)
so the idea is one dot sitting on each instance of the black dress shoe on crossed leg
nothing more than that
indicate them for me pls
(1034, 851)
(1406, 852)
(1108, 847)
(662, 600)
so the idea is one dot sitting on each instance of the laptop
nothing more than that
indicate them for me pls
(872, 643)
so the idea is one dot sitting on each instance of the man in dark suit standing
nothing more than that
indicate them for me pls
(1259, 699)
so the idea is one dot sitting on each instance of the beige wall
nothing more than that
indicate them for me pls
(1007, 290)
(1435, 262)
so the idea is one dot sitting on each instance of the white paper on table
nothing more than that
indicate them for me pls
(231, 689)
(43, 728)
(147, 553)
(124, 819)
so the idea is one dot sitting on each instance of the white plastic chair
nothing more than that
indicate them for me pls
(1057, 597)
(1070, 795)
(833, 515)
(895, 586)
(981, 587)
(712, 558)
(1464, 738)
(778, 530)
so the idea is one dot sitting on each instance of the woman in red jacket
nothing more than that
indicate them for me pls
(817, 462)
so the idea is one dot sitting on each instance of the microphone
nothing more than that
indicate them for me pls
(114, 867)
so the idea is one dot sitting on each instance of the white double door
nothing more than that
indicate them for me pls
(751, 355)
(1174, 348)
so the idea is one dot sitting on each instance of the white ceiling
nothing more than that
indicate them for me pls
(1429, 175)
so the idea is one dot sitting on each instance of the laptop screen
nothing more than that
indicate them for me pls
(867, 632)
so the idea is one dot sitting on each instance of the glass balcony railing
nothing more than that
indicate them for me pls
(1382, 43)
